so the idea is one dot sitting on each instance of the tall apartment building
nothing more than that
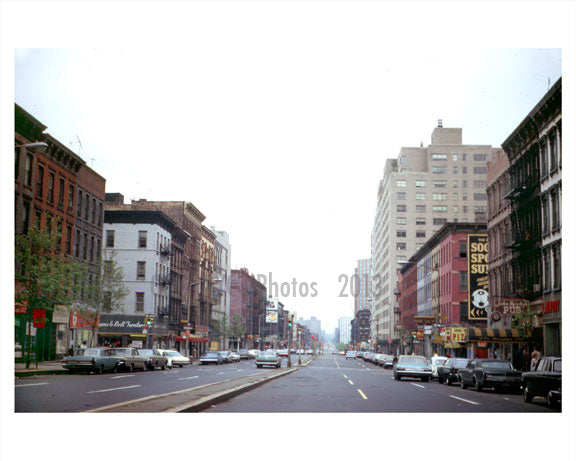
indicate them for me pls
(345, 329)
(221, 289)
(423, 188)
(362, 284)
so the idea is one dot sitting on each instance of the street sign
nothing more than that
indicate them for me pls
(39, 318)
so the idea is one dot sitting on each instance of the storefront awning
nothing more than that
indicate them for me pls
(192, 339)
(494, 334)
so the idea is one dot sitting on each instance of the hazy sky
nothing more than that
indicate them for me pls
(275, 118)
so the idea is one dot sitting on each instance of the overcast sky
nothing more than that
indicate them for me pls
(275, 119)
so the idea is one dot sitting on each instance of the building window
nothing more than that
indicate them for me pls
(38, 219)
(70, 198)
(462, 249)
(401, 221)
(553, 151)
(28, 172)
(403, 159)
(142, 237)
(439, 184)
(68, 239)
(99, 249)
(25, 216)
(61, 194)
(547, 269)
(94, 210)
(401, 233)
(439, 221)
(100, 214)
(480, 157)
(79, 204)
(141, 270)
(420, 221)
(439, 156)
(479, 170)
(50, 187)
(543, 146)
(555, 210)
(455, 170)
(439, 169)
(464, 197)
(92, 249)
(480, 196)
(400, 183)
(455, 209)
(480, 184)
(110, 239)
(40, 182)
(439, 196)
(545, 215)
(464, 170)
(401, 208)
(139, 302)
(420, 208)
(463, 281)
(401, 258)
(77, 245)
(85, 247)
(400, 195)
(420, 195)
(465, 208)
(86, 207)
(463, 312)
(400, 246)
(420, 183)
(420, 234)
(557, 267)
(480, 209)
(454, 157)
(439, 208)
(455, 183)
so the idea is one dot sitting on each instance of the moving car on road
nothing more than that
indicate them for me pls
(283, 352)
(412, 366)
(97, 359)
(545, 381)
(268, 358)
(449, 371)
(350, 355)
(155, 359)
(212, 357)
(174, 358)
(494, 373)
(389, 361)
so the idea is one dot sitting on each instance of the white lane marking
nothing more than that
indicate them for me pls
(362, 394)
(345, 376)
(464, 400)
(221, 373)
(123, 376)
(168, 372)
(26, 385)
(114, 389)
(418, 385)
(350, 382)
(189, 377)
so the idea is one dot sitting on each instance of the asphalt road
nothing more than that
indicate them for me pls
(81, 392)
(335, 384)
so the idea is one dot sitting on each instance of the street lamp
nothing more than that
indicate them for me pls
(39, 147)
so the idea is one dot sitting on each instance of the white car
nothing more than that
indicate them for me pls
(435, 362)
(252, 353)
(175, 358)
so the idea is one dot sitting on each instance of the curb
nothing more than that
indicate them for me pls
(22, 374)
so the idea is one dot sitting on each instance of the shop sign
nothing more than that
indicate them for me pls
(130, 324)
(477, 276)
(420, 334)
(61, 313)
(481, 344)
(457, 334)
(39, 318)
(272, 310)
(137, 344)
(21, 307)
(510, 305)
(83, 320)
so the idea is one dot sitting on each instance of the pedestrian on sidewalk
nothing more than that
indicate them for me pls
(535, 358)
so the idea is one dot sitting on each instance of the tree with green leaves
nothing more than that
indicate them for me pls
(44, 276)
(222, 328)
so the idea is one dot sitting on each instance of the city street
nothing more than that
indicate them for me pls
(81, 392)
(334, 384)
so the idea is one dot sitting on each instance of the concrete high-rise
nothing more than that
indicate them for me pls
(344, 328)
(423, 188)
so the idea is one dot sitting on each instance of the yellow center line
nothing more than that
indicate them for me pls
(351, 382)
(362, 394)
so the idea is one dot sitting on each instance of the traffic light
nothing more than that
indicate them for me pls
(148, 321)
(289, 323)
(414, 335)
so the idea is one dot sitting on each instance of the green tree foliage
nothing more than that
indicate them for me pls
(237, 326)
(342, 346)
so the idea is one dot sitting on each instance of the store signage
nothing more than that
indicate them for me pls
(61, 313)
(457, 334)
(39, 318)
(552, 306)
(272, 310)
(510, 305)
(201, 329)
(110, 323)
(83, 320)
(478, 300)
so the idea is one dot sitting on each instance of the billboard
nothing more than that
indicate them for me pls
(272, 310)
(478, 299)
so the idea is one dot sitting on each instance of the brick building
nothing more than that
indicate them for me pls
(248, 300)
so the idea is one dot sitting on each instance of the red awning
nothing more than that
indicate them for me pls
(191, 339)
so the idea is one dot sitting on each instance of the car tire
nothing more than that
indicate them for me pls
(425, 379)
(100, 369)
(115, 369)
(440, 379)
(448, 381)
(180, 365)
(551, 401)
(396, 377)
(131, 367)
(163, 366)
(477, 386)
(528, 396)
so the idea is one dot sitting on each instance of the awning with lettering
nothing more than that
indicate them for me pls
(494, 334)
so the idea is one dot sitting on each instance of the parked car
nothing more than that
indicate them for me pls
(412, 366)
(350, 355)
(379, 359)
(243, 353)
(449, 371)
(389, 361)
(268, 358)
(130, 358)
(234, 357)
(174, 358)
(283, 352)
(212, 357)
(309, 351)
(96, 359)
(366, 356)
(494, 373)
(301, 352)
(434, 363)
(252, 353)
(359, 354)
(155, 358)
(545, 381)
(227, 356)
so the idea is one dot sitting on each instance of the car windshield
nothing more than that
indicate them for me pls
(459, 363)
(121, 352)
(413, 361)
(438, 361)
(267, 354)
(497, 365)
(89, 352)
(211, 354)
(145, 352)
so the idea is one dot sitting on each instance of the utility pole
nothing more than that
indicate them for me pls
(289, 364)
